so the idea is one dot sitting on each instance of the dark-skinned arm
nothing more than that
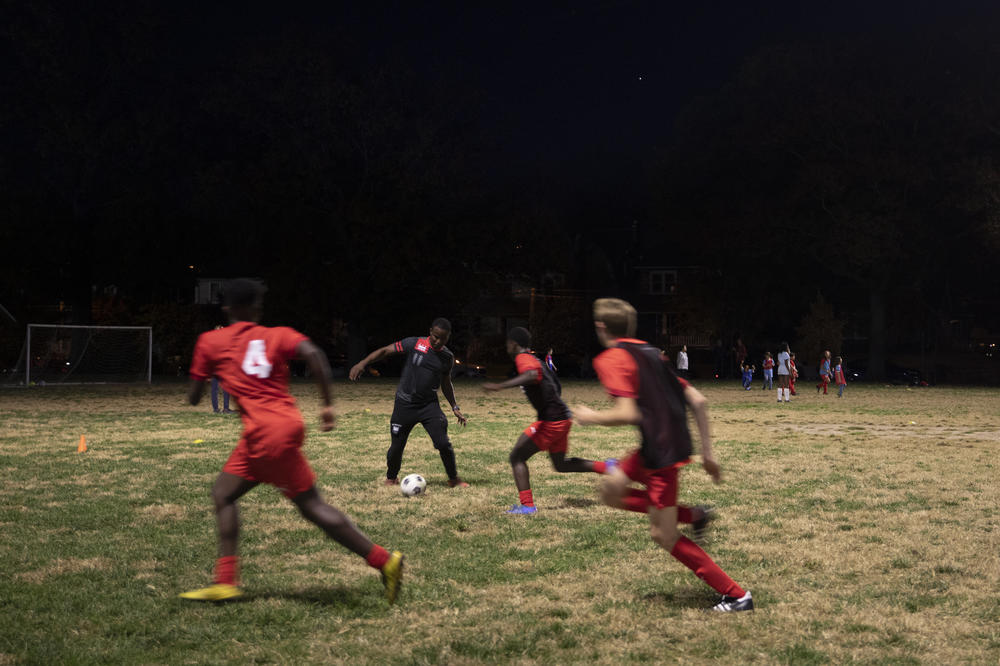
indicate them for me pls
(320, 369)
(449, 394)
(376, 355)
(523, 379)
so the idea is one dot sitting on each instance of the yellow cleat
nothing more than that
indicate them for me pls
(216, 592)
(392, 576)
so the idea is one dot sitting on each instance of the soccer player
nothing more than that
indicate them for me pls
(647, 394)
(551, 431)
(251, 361)
(428, 366)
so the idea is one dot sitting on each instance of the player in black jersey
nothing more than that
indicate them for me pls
(551, 431)
(428, 366)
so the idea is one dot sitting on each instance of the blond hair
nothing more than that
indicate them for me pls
(618, 316)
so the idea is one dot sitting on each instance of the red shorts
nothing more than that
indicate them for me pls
(661, 483)
(274, 456)
(551, 436)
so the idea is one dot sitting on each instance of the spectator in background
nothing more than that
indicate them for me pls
(838, 375)
(768, 367)
(682, 362)
(215, 394)
(825, 373)
(784, 373)
(748, 376)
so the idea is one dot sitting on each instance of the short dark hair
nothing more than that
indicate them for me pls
(520, 335)
(242, 293)
(441, 323)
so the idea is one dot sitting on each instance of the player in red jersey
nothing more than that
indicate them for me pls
(647, 394)
(251, 362)
(551, 431)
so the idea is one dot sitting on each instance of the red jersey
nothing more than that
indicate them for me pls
(768, 364)
(251, 362)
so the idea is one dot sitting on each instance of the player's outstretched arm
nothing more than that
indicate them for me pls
(320, 369)
(699, 405)
(523, 379)
(196, 388)
(449, 394)
(376, 355)
(624, 412)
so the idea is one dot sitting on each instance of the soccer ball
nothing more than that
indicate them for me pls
(413, 484)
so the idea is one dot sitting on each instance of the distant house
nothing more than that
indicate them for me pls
(663, 303)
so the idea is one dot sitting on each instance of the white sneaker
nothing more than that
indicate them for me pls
(729, 604)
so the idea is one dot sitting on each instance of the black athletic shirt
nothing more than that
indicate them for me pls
(665, 436)
(544, 393)
(422, 370)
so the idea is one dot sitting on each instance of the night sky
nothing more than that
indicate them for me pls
(141, 139)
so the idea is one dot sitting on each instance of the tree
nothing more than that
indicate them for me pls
(838, 153)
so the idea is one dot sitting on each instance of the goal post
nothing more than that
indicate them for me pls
(77, 354)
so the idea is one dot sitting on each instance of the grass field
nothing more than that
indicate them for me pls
(868, 529)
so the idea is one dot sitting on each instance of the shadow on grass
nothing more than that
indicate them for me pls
(579, 502)
(682, 598)
(346, 597)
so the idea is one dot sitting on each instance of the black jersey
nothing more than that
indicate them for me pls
(422, 370)
(545, 392)
(665, 436)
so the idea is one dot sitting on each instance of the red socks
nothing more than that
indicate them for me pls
(525, 498)
(377, 557)
(600, 466)
(227, 570)
(694, 558)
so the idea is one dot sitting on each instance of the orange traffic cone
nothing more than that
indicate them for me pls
(82, 446)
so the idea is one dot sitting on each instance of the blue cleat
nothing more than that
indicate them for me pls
(610, 463)
(521, 509)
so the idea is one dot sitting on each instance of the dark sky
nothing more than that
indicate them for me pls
(571, 94)
(589, 90)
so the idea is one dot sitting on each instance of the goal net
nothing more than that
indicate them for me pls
(68, 354)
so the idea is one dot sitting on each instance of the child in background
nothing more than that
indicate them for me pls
(825, 373)
(768, 367)
(838, 375)
(747, 376)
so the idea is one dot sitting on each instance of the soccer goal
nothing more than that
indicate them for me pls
(72, 354)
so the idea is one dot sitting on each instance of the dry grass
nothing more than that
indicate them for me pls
(867, 528)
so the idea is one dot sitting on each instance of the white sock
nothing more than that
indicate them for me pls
(788, 394)
(779, 394)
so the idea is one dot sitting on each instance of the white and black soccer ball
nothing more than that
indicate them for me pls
(413, 484)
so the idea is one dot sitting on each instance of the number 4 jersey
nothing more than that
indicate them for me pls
(251, 362)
